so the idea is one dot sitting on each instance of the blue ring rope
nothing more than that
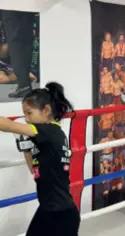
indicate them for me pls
(33, 196)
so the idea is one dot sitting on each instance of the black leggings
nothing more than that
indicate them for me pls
(60, 223)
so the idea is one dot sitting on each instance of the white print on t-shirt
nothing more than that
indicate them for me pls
(68, 152)
(65, 148)
(35, 151)
(65, 160)
(66, 156)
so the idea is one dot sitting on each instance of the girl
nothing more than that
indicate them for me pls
(43, 108)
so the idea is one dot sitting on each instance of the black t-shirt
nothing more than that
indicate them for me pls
(51, 161)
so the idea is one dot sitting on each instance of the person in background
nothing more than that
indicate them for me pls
(107, 52)
(107, 153)
(117, 183)
(106, 88)
(106, 170)
(120, 50)
(106, 123)
(117, 86)
(19, 32)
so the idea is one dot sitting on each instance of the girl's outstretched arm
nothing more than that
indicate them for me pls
(10, 126)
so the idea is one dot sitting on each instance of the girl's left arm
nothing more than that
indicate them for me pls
(10, 126)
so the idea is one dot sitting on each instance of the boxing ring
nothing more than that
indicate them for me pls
(77, 183)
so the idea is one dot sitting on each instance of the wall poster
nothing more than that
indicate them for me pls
(108, 57)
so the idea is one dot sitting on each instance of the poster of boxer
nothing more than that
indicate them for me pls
(19, 54)
(108, 53)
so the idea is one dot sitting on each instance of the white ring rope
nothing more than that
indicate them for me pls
(93, 148)
(103, 211)
(9, 163)
(101, 146)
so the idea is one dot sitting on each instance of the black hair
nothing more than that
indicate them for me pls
(122, 34)
(52, 94)
(106, 33)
